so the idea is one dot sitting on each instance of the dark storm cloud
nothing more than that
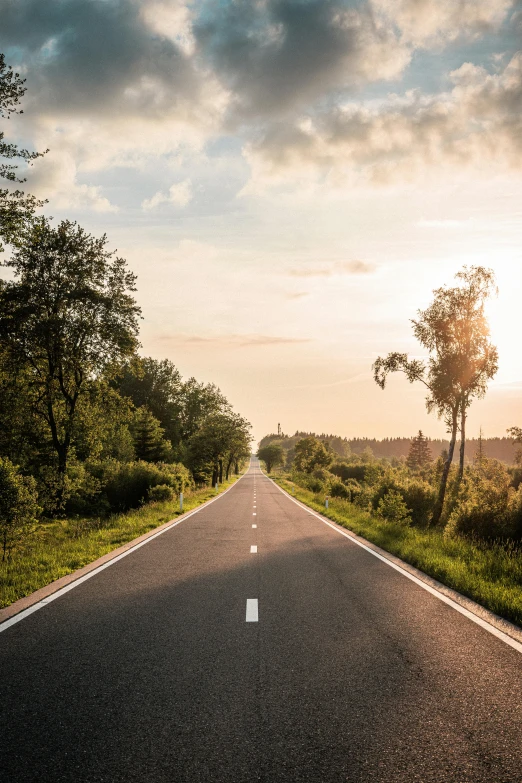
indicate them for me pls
(82, 56)
(278, 55)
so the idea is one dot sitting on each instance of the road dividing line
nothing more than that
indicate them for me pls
(254, 514)
(252, 615)
(253, 549)
(254, 526)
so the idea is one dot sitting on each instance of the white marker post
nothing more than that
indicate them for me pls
(217, 485)
(326, 502)
(181, 502)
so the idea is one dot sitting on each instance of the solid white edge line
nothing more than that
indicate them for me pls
(444, 598)
(252, 613)
(34, 608)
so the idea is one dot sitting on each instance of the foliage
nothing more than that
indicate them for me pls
(272, 455)
(393, 508)
(148, 437)
(16, 208)
(18, 506)
(419, 455)
(310, 454)
(127, 485)
(160, 493)
(339, 490)
(67, 316)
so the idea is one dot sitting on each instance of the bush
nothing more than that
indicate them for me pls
(18, 506)
(346, 471)
(487, 506)
(161, 492)
(392, 508)
(127, 485)
(339, 490)
(420, 497)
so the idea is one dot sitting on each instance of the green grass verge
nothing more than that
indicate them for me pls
(489, 574)
(60, 547)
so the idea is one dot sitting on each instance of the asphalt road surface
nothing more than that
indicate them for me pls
(150, 672)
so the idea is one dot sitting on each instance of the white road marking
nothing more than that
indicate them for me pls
(444, 598)
(48, 599)
(254, 514)
(252, 614)
(254, 526)
(253, 549)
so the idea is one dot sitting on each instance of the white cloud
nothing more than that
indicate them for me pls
(427, 23)
(180, 194)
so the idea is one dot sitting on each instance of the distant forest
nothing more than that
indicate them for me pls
(502, 449)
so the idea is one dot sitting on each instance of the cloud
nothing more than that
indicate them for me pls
(477, 123)
(276, 56)
(426, 23)
(180, 194)
(338, 268)
(231, 340)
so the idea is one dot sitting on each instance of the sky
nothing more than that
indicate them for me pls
(290, 180)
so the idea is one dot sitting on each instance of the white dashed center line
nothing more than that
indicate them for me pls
(251, 610)
(254, 514)
(254, 526)
(253, 549)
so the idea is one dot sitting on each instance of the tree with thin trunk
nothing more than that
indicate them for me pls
(455, 325)
(67, 317)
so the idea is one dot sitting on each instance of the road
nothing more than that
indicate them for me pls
(150, 672)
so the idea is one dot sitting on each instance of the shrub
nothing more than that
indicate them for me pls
(346, 471)
(420, 497)
(18, 506)
(127, 485)
(160, 493)
(486, 505)
(392, 508)
(339, 490)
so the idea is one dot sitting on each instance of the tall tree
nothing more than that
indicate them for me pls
(66, 317)
(272, 455)
(456, 326)
(420, 454)
(15, 206)
(310, 454)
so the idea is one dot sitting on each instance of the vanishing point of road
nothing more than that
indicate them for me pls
(252, 642)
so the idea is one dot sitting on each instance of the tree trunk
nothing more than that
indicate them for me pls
(236, 468)
(215, 476)
(463, 417)
(437, 512)
(220, 471)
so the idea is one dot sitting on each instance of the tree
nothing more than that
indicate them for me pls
(516, 434)
(311, 454)
(159, 386)
(456, 325)
(222, 439)
(18, 506)
(15, 206)
(462, 360)
(420, 454)
(148, 437)
(272, 455)
(66, 318)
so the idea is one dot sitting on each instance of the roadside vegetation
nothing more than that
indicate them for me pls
(90, 430)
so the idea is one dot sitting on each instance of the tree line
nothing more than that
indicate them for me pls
(86, 423)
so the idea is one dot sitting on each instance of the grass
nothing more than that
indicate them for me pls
(490, 574)
(60, 547)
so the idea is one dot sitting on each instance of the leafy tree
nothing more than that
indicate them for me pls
(516, 434)
(65, 319)
(420, 454)
(310, 454)
(392, 508)
(455, 324)
(462, 360)
(211, 446)
(148, 436)
(18, 506)
(158, 385)
(15, 206)
(272, 455)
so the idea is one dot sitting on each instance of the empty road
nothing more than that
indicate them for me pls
(252, 642)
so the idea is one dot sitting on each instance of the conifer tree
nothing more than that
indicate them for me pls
(420, 454)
